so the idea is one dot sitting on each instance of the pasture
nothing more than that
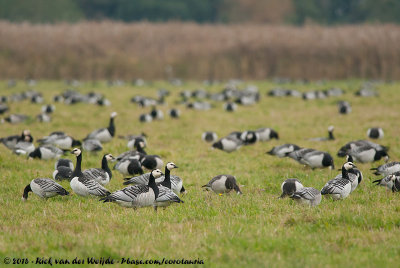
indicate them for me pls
(254, 229)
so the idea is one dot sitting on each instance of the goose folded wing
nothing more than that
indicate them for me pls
(138, 180)
(306, 193)
(130, 193)
(94, 173)
(167, 195)
(94, 187)
(49, 186)
(335, 186)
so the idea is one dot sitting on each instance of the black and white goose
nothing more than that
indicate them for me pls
(145, 118)
(230, 106)
(138, 143)
(329, 138)
(11, 141)
(354, 174)
(172, 182)
(83, 185)
(352, 145)
(223, 184)
(339, 188)
(228, 144)
(317, 159)
(249, 137)
(48, 109)
(102, 175)
(157, 114)
(290, 186)
(63, 169)
(92, 145)
(209, 136)
(367, 154)
(43, 118)
(387, 169)
(129, 166)
(44, 188)
(151, 162)
(283, 150)
(104, 134)
(375, 133)
(16, 118)
(46, 152)
(141, 179)
(61, 140)
(266, 134)
(166, 197)
(307, 196)
(137, 195)
(174, 113)
(391, 182)
(300, 153)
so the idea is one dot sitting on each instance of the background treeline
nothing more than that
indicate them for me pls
(298, 12)
(107, 50)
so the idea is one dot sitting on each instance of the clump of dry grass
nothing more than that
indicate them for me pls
(93, 50)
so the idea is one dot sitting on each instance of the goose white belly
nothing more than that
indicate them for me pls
(123, 167)
(145, 199)
(219, 185)
(78, 187)
(264, 134)
(229, 145)
(365, 156)
(48, 154)
(176, 186)
(64, 143)
(314, 161)
(103, 136)
(160, 163)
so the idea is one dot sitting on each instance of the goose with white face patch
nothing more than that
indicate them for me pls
(223, 184)
(387, 169)
(266, 134)
(290, 186)
(44, 188)
(375, 133)
(283, 150)
(104, 134)
(317, 159)
(63, 169)
(329, 138)
(81, 184)
(249, 137)
(339, 188)
(307, 196)
(46, 152)
(209, 136)
(172, 182)
(137, 195)
(102, 175)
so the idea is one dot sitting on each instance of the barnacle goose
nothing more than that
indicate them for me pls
(16, 118)
(102, 175)
(344, 107)
(266, 134)
(387, 169)
(145, 118)
(209, 136)
(249, 137)
(139, 143)
(141, 180)
(11, 141)
(375, 133)
(290, 186)
(44, 188)
(156, 114)
(63, 169)
(92, 145)
(172, 182)
(46, 152)
(307, 196)
(298, 154)
(44, 118)
(230, 106)
(366, 154)
(329, 138)
(223, 184)
(317, 159)
(283, 150)
(3, 108)
(137, 195)
(104, 134)
(228, 144)
(174, 113)
(129, 166)
(352, 145)
(165, 197)
(61, 140)
(339, 188)
(391, 182)
(48, 109)
(81, 184)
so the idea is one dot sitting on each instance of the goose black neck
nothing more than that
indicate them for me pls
(104, 166)
(26, 191)
(331, 137)
(140, 149)
(152, 185)
(345, 173)
(167, 179)
(78, 168)
(111, 127)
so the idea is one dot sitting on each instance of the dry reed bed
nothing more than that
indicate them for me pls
(94, 50)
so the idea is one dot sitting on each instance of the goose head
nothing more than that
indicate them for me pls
(113, 114)
(109, 157)
(331, 128)
(76, 152)
(156, 173)
(349, 165)
(171, 165)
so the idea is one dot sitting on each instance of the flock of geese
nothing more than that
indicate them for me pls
(157, 189)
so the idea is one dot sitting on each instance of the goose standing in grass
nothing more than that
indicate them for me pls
(339, 188)
(283, 150)
(82, 184)
(63, 169)
(307, 196)
(172, 182)
(329, 138)
(137, 195)
(44, 188)
(141, 180)
(166, 197)
(290, 186)
(46, 152)
(223, 184)
(92, 145)
(317, 159)
(266, 134)
(104, 134)
(43, 118)
(102, 175)
(129, 166)
(375, 133)
(387, 169)
(209, 136)
(151, 162)
(61, 140)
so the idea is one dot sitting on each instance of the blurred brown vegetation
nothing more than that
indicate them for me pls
(101, 50)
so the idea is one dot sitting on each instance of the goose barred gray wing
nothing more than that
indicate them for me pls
(93, 187)
(335, 186)
(94, 173)
(167, 195)
(128, 194)
(47, 185)
(307, 193)
(138, 180)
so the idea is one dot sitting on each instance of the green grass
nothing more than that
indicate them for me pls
(255, 229)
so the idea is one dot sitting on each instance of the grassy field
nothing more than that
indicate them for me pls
(255, 229)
